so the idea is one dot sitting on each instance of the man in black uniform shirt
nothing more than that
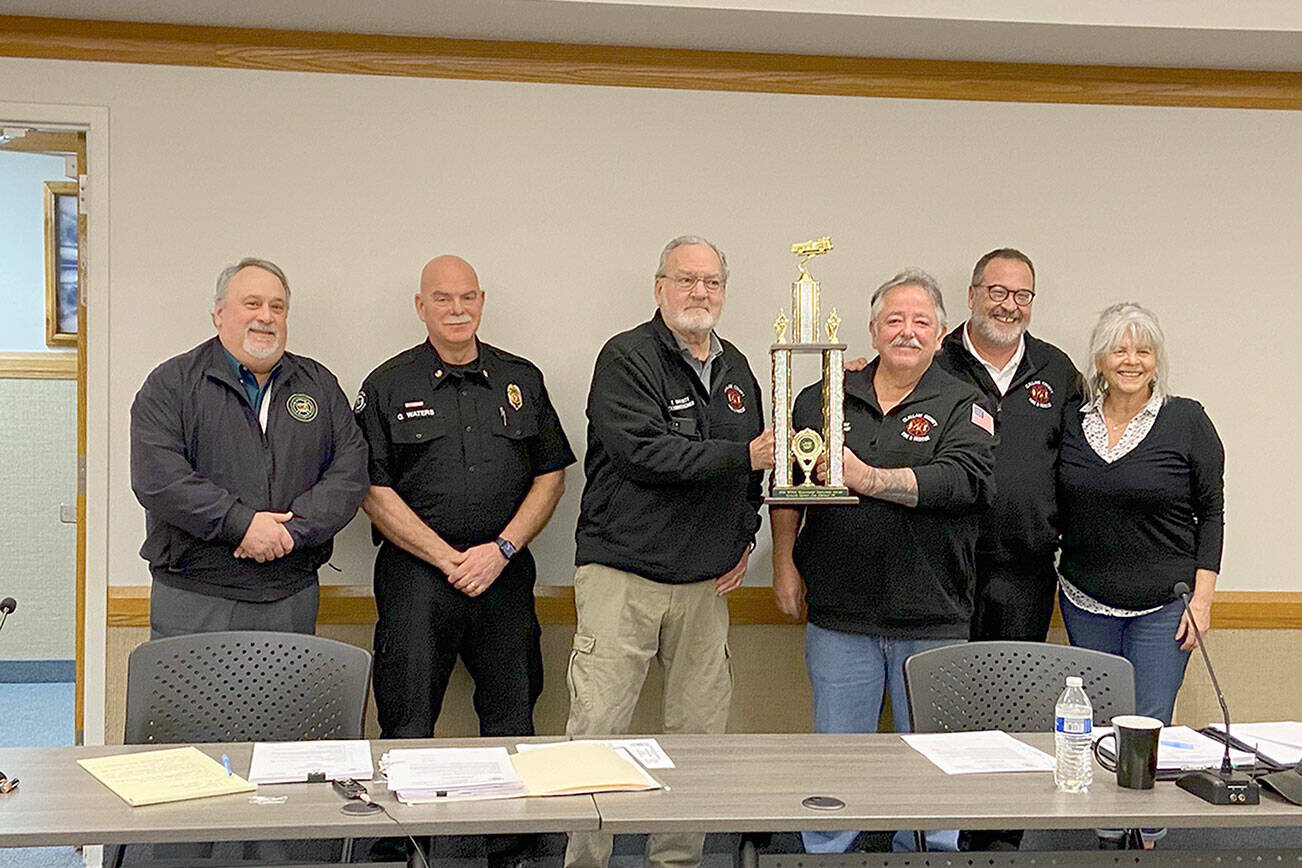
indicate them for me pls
(1033, 385)
(893, 575)
(467, 463)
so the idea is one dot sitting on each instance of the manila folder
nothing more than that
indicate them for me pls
(157, 776)
(574, 767)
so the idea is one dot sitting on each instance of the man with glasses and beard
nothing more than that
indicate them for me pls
(247, 461)
(676, 453)
(1033, 386)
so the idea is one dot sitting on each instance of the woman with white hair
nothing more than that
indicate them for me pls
(1141, 508)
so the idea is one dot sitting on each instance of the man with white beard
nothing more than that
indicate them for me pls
(676, 453)
(247, 461)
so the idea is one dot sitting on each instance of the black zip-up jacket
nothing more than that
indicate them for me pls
(201, 467)
(885, 569)
(670, 495)
(1021, 525)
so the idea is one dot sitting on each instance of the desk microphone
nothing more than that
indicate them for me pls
(1223, 787)
(7, 605)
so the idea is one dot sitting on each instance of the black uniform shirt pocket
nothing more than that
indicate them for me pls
(408, 430)
(517, 425)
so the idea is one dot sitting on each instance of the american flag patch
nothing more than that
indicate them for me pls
(983, 420)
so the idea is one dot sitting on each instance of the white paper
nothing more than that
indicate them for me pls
(1278, 741)
(965, 753)
(1180, 748)
(285, 762)
(438, 773)
(647, 751)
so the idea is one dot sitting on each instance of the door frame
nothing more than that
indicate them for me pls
(93, 405)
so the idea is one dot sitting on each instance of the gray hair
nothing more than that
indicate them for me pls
(224, 279)
(1116, 323)
(911, 277)
(684, 241)
(979, 271)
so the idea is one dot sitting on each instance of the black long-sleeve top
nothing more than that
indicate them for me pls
(670, 494)
(889, 570)
(1135, 527)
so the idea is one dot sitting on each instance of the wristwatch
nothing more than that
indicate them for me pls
(507, 548)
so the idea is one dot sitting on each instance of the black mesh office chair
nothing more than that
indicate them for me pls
(1012, 686)
(244, 686)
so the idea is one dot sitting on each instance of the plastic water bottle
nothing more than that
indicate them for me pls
(1072, 732)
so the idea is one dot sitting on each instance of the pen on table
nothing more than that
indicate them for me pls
(1183, 745)
(226, 762)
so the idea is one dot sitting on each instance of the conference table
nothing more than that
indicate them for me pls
(720, 783)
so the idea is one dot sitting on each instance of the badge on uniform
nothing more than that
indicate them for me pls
(360, 404)
(736, 398)
(514, 396)
(301, 407)
(917, 427)
(1040, 394)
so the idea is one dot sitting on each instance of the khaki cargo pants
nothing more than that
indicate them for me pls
(625, 620)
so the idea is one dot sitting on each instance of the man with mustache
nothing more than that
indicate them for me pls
(247, 462)
(467, 462)
(893, 575)
(676, 453)
(1033, 386)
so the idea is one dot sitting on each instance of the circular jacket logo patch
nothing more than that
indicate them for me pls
(736, 398)
(917, 427)
(1040, 394)
(360, 404)
(301, 407)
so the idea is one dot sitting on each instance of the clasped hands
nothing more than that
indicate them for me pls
(266, 537)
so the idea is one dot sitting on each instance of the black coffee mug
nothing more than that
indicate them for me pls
(1136, 738)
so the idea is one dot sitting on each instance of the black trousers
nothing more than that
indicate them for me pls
(425, 624)
(1014, 600)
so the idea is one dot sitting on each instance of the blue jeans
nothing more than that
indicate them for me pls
(850, 673)
(1147, 641)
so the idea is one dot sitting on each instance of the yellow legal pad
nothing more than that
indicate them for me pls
(157, 776)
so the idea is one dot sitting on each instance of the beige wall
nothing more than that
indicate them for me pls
(1258, 670)
(563, 195)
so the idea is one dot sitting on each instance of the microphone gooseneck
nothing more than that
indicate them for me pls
(1182, 592)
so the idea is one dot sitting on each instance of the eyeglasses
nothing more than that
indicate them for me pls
(998, 293)
(687, 282)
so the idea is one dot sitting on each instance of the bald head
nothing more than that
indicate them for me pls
(448, 270)
(450, 303)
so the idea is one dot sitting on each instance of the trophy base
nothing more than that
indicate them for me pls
(811, 495)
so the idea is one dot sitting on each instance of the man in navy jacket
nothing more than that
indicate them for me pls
(247, 461)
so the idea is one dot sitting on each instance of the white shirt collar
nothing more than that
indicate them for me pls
(1152, 407)
(1003, 377)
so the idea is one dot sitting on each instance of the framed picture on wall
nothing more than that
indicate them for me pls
(61, 291)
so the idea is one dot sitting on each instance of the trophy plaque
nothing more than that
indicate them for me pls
(802, 449)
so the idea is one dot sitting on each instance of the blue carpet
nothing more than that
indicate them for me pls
(37, 715)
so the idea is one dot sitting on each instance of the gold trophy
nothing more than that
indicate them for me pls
(806, 446)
